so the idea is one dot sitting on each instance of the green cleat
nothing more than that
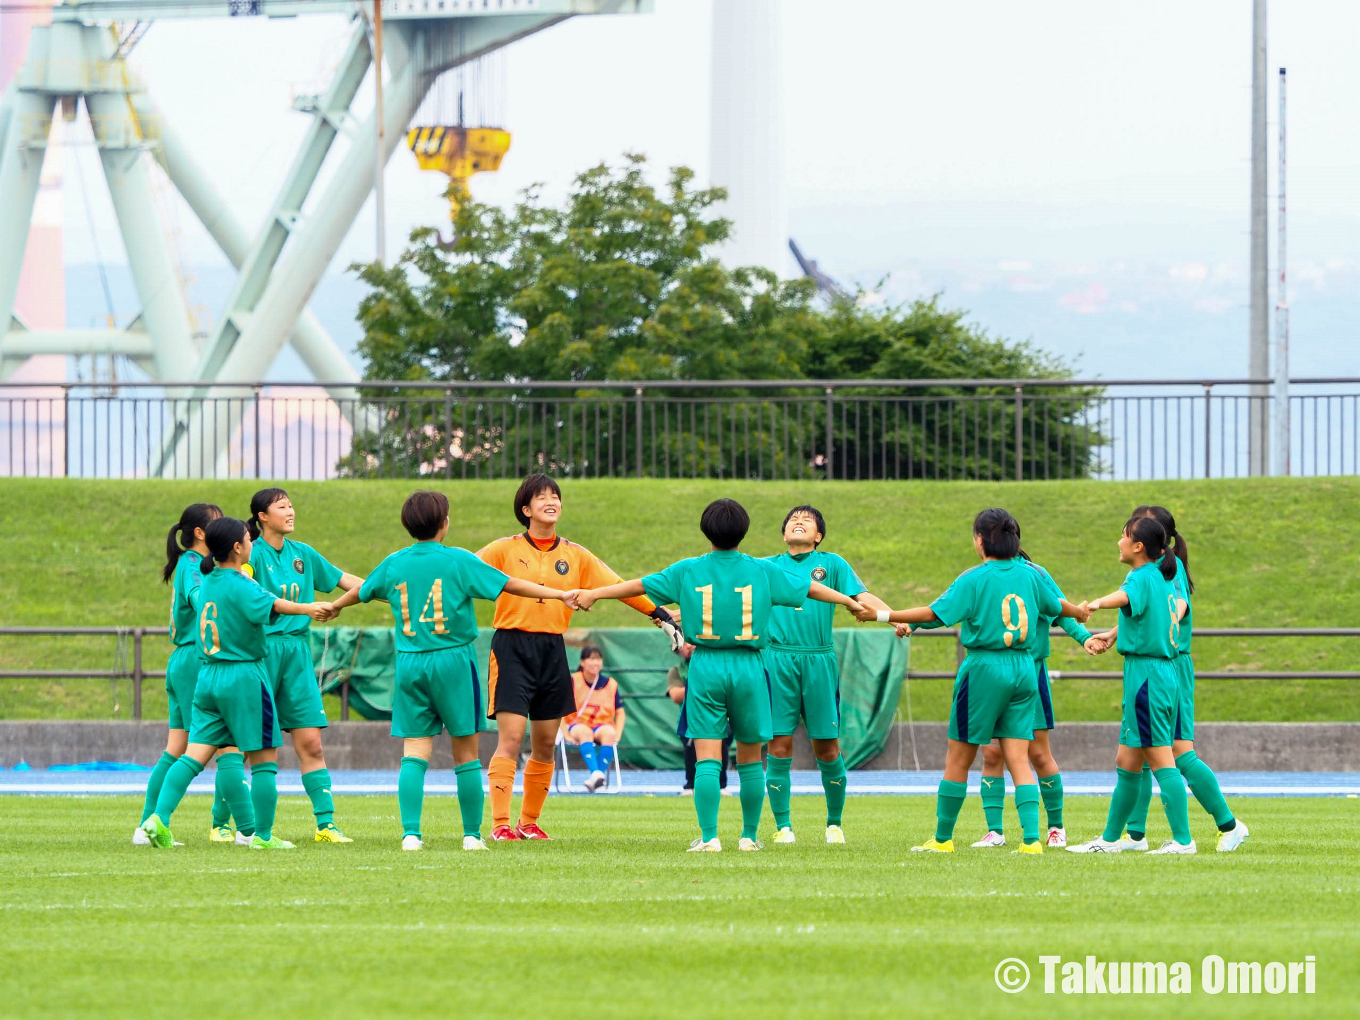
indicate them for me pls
(158, 832)
(222, 834)
(272, 843)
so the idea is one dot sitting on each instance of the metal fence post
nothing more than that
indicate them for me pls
(1019, 433)
(257, 433)
(137, 674)
(66, 431)
(448, 432)
(1208, 423)
(830, 434)
(637, 427)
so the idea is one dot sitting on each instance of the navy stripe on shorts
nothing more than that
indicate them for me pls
(1143, 715)
(961, 711)
(266, 717)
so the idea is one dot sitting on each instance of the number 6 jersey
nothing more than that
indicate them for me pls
(999, 605)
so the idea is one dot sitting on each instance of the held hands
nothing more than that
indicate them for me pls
(902, 629)
(1098, 644)
(323, 612)
(1084, 612)
(864, 614)
(579, 600)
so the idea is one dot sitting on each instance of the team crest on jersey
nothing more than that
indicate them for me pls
(819, 575)
(562, 567)
(297, 565)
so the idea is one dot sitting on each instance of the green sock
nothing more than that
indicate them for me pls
(471, 796)
(1121, 802)
(1050, 788)
(318, 787)
(1204, 785)
(221, 810)
(1027, 807)
(994, 802)
(1175, 803)
(752, 776)
(833, 785)
(411, 793)
(1137, 820)
(948, 804)
(177, 780)
(777, 782)
(234, 791)
(154, 783)
(264, 795)
(707, 796)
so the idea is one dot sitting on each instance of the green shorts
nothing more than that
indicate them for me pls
(1151, 699)
(181, 676)
(805, 685)
(437, 691)
(1185, 691)
(233, 705)
(995, 695)
(728, 685)
(292, 680)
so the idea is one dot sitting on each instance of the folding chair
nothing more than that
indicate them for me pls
(562, 774)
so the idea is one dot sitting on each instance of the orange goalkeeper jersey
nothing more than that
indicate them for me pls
(563, 565)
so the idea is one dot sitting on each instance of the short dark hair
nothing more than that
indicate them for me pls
(1000, 533)
(531, 487)
(590, 650)
(725, 523)
(815, 514)
(424, 513)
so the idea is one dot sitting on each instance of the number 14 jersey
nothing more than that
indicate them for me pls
(431, 588)
(999, 605)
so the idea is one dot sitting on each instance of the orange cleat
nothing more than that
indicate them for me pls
(504, 832)
(530, 831)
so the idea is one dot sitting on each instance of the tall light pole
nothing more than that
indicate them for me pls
(1258, 357)
(1281, 395)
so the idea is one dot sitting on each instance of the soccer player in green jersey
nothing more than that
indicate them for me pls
(294, 570)
(1203, 784)
(430, 588)
(725, 600)
(804, 677)
(233, 705)
(1149, 637)
(996, 694)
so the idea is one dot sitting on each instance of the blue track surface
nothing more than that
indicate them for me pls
(383, 781)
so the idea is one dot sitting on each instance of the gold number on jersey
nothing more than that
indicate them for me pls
(1017, 624)
(707, 633)
(205, 624)
(1174, 632)
(290, 591)
(405, 611)
(436, 599)
(746, 633)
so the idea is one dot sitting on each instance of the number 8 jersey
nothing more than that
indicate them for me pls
(998, 603)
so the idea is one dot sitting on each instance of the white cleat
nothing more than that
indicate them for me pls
(474, 843)
(1232, 839)
(140, 838)
(1097, 846)
(1172, 847)
(1056, 837)
(1133, 844)
(785, 835)
(699, 846)
(596, 780)
(750, 845)
(242, 839)
(412, 843)
(993, 838)
(834, 834)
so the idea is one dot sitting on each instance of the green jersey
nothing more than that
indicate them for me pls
(1000, 604)
(725, 597)
(1182, 587)
(233, 616)
(431, 588)
(809, 625)
(1148, 624)
(186, 582)
(1042, 646)
(295, 572)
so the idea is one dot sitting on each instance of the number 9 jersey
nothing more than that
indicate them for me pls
(999, 604)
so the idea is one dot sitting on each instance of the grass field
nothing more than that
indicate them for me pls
(1265, 552)
(612, 919)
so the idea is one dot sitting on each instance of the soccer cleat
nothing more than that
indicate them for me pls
(993, 838)
(272, 843)
(330, 834)
(1029, 848)
(699, 846)
(1233, 838)
(474, 843)
(785, 835)
(1129, 843)
(157, 832)
(531, 831)
(834, 834)
(750, 845)
(934, 846)
(221, 834)
(1097, 846)
(242, 839)
(412, 843)
(687, 791)
(1172, 847)
(140, 838)
(504, 832)
(596, 780)
(1056, 837)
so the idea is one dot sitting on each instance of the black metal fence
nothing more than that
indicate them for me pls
(892, 429)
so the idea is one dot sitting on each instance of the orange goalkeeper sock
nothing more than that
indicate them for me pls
(501, 778)
(537, 777)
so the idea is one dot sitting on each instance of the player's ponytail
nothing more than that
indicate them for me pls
(221, 537)
(1000, 533)
(1156, 548)
(181, 536)
(1174, 538)
(259, 503)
